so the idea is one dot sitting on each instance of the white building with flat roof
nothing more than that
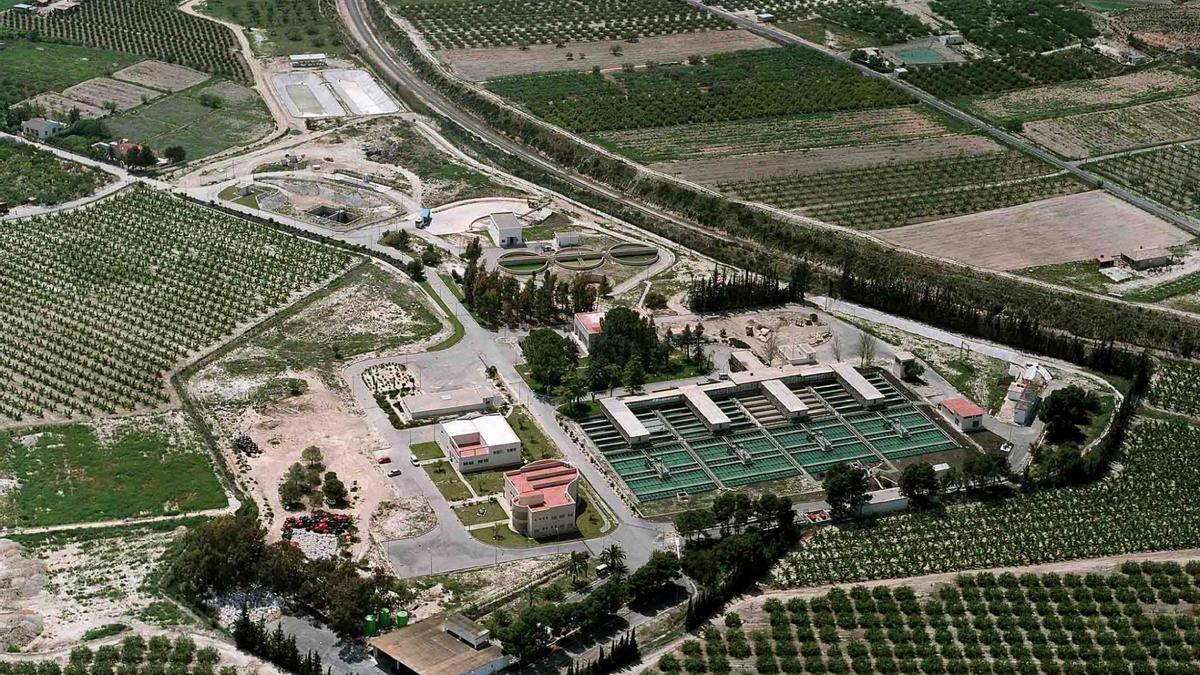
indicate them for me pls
(863, 391)
(624, 421)
(586, 326)
(506, 230)
(543, 498)
(314, 60)
(702, 406)
(449, 402)
(479, 444)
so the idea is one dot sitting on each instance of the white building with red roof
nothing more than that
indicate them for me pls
(966, 416)
(480, 443)
(543, 497)
(587, 327)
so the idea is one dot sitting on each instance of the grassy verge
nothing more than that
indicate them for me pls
(445, 478)
(230, 194)
(581, 410)
(427, 450)
(477, 514)
(452, 285)
(454, 322)
(1081, 274)
(534, 444)
(486, 482)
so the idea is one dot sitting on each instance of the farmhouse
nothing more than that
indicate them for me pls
(966, 416)
(505, 230)
(481, 443)
(40, 128)
(543, 497)
(1146, 258)
(316, 60)
(439, 645)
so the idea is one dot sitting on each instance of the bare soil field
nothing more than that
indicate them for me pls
(1100, 133)
(724, 139)
(819, 160)
(58, 106)
(99, 91)
(162, 76)
(1083, 95)
(1056, 230)
(484, 63)
(1165, 27)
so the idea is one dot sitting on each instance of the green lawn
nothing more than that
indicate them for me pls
(28, 68)
(230, 194)
(454, 322)
(446, 479)
(1081, 274)
(180, 119)
(452, 285)
(427, 450)
(534, 444)
(486, 482)
(470, 514)
(581, 410)
(146, 467)
(1109, 6)
(814, 30)
(290, 26)
(588, 521)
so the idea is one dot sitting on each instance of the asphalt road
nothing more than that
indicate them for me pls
(781, 36)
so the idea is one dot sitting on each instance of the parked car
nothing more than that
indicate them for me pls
(414, 460)
(384, 459)
(393, 473)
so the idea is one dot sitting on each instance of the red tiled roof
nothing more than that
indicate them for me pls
(590, 321)
(472, 450)
(962, 407)
(549, 479)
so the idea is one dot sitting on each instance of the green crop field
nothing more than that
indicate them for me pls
(722, 139)
(31, 175)
(154, 28)
(97, 303)
(448, 24)
(136, 467)
(1138, 619)
(752, 84)
(291, 26)
(1177, 387)
(896, 194)
(180, 119)
(1168, 175)
(1018, 71)
(29, 68)
(1148, 506)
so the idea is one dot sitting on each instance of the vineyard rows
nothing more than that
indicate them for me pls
(986, 76)
(450, 24)
(733, 86)
(898, 194)
(1177, 387)
(1149, 506)
(1183, 285)
(1168, 175)
(154, 28)
(1136, 620)
(719, 139)
(98, 303)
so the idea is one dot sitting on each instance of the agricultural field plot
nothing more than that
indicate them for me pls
(1176, 386)
(1098, 133)
(281, 27)
(449, 24)
(795, 163)
(58, 107)
(877, 22)
(485, 63)
(100, 302)
(1168, 175)
(1148, 506)
(30, 68)
(181, 119)
(1058, 230)
(1017, 71)
(1186, 284)
(122, 468)
(1135, 619)
(30, 175)
(743, 137)
(899, 194)
(752, 84)
(160, 75)
(1072, 98)
(1174, 28)
(153, 28)
(1018, 26)
(104, 92)
(828, 33)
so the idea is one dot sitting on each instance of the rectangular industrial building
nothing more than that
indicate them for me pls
(543, 498)
(307, 60)
(625, 422)
(481, 443)
(506, 230)
(784, 399)
(702, 406)
(864, 392)
(450, 402)
(438, 645)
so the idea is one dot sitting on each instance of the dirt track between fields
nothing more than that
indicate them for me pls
(1056, 230)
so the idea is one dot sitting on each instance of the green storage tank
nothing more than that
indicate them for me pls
(401, 619)
(385, 618)
(370, 624)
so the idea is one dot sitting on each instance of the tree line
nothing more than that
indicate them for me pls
(274, 646)
(981, 303)
(726, 289)
(496, 297)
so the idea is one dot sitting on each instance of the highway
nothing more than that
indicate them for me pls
(781, 36)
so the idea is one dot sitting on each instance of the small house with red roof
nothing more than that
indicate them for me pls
(587, 326)
(480, 443)
(543, 497)
(966, 416)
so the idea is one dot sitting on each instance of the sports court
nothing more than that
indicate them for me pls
(760, 444)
